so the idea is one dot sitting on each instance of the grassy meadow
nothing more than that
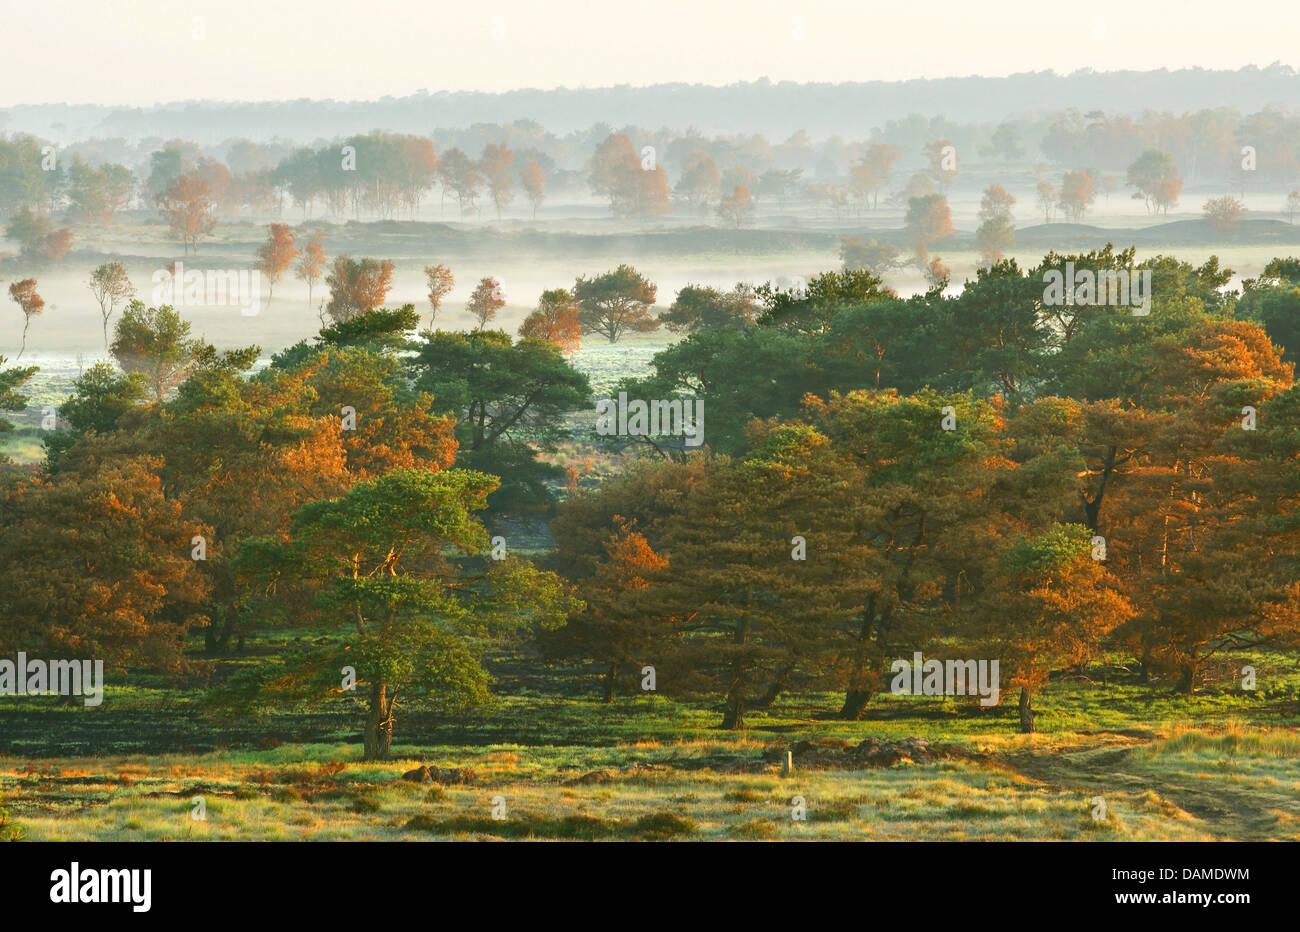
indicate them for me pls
(1220, 764)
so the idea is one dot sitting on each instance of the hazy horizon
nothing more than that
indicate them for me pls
(152, 53)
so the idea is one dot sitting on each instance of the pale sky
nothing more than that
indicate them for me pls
(139, 52)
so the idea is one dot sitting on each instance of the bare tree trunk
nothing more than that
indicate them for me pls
(1026, 712)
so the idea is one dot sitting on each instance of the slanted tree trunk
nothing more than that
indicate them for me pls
(1026, 712)
(379, 724)
(855, 704)
(774, 688)
(1092, 506)
(857, 695)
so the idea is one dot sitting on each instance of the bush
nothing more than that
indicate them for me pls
(582, 827)
(754, 829)
(840, 810)
(8, 830)
(663, 825)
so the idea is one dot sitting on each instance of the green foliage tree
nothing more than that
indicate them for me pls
(155, 343)
(98, 194)
(1273, 301)
(381, 330)
(698, 308)
(100, 397)
(396, 567)
(509, 399)
(11, 399)
(739, 374)
(811, 309)
(615, 303)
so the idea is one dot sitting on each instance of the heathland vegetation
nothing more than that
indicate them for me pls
(318, 543)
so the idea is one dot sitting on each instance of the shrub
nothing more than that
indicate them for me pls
(839, 810)
(663, 825)
(10, 831)
(587, 828)
(754, 829)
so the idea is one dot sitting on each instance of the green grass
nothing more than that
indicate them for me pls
(151, 798)
(558, 707)
(1218, 764)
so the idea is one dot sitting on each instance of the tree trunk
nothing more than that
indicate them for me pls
(609, 682)
(1026, 712)
(379, 725)
(216, 638)
(734, 717)
(1092, 509)
(1145, 677)
(858, 693)
(774, 688)
(855, 704)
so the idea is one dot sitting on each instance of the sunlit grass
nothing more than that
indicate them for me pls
(324, 792)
